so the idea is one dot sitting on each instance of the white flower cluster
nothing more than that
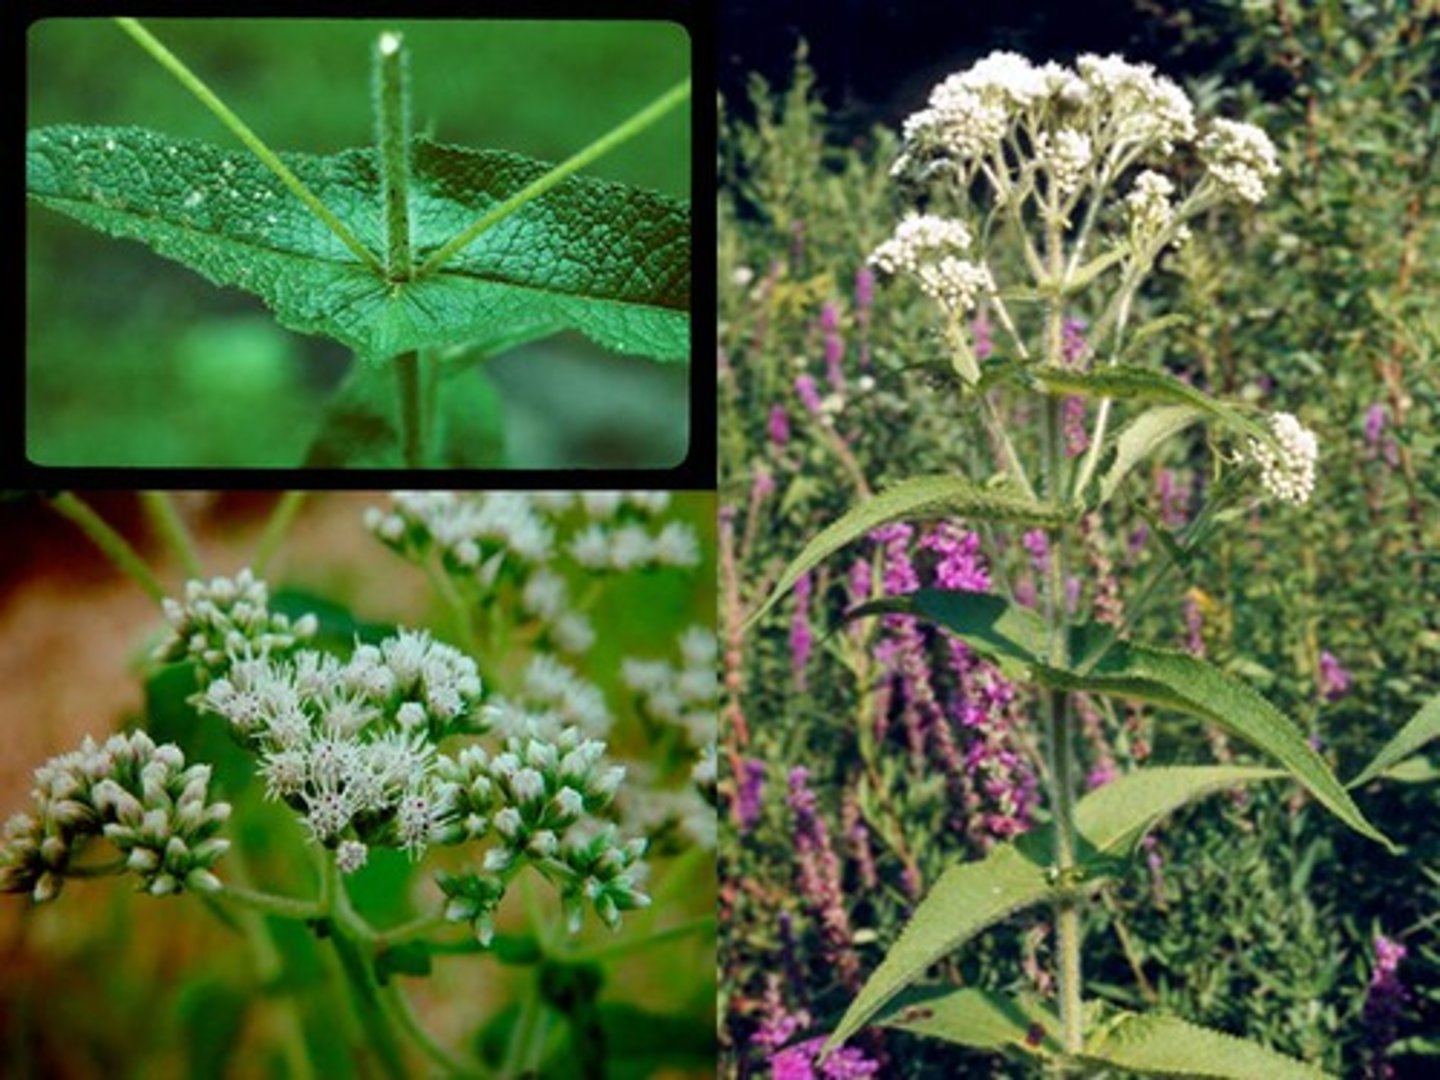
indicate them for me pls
(1143, 109)
(528, 540)
(351, 745)
(226, 616)
(1149, 206)
(686, 697)
(1288, 471)
(924, 246)
(1066, 153)
(1241, 158)
(138, 796)
(538, 799)
(971, 115)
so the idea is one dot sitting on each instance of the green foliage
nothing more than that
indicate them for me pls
(1141, 438)
(970, 897)
(611, 261)
(1422, 728)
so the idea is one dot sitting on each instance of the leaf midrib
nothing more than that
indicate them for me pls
(383, 284)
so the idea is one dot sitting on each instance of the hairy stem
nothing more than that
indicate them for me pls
(286, 907)
(114, 546)
(412, 422)
(392, 122)
(173, 64)
(673, 97)
(398, 1009)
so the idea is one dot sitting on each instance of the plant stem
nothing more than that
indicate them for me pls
(1057, 704)
(284, 906)
(523, 1036)
(400, 1013)
(282, 516)
(114, 546)
(673, 97)
(416, 928)
(173, 64)
(412, 430)
(392, 121)
(171, 526)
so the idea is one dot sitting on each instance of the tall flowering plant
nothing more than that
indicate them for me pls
(1052, 194)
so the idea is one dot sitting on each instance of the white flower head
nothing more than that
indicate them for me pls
(1287, 472)
(1240, 157)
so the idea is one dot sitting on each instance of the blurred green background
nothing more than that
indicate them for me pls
(132, 360)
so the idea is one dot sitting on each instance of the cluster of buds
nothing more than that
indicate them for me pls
(539, 801)
(927, 248)
(226, 617)
(138, 796)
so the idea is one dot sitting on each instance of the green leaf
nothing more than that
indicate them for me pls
(1094, 268)
(211, 1014)
(1152, 1044)
(360, 427)
(922, 497)
(608, 260)
(971, 896)
(1141, 437)
(1004, 633)
(1184, 683)
(1421, 729)
(967, 898)
(1158, 1045)
(979, 1019)
(1132, 382)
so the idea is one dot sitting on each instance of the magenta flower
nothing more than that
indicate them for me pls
(799, 1063)
(779, 425)
(1334, 680)
(802, 639)
(981, 330)
(808, 393)
(864, 291)
(1384, 1001)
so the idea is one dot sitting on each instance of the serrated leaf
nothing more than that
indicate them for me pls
(1158, 1045)
(360, 427)
(1184, 683)
(608, 260)
(1419, 730)
(979, 1019)
(1142, 437)
(920, 497)
(971, 896)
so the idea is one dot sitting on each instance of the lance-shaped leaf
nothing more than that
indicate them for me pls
(1135, 383)
(969, 897)
(1154, 1044)
(1004, 633)
(608, 260)
(1142, 437)
(1184, 683)
(1151, 1044)
(1421, 729)
(979, 1019)
(919, 498)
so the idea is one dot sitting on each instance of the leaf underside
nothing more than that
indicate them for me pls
(603, 258)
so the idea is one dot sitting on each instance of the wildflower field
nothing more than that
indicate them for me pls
(1078, 581)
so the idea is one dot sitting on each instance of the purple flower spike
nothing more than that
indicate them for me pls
(750, 785)
(864, 291)
(809, 396)
(1334, 680)
(799, 1063)
(779, 425)
(984, 341)
(1384, 1002)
